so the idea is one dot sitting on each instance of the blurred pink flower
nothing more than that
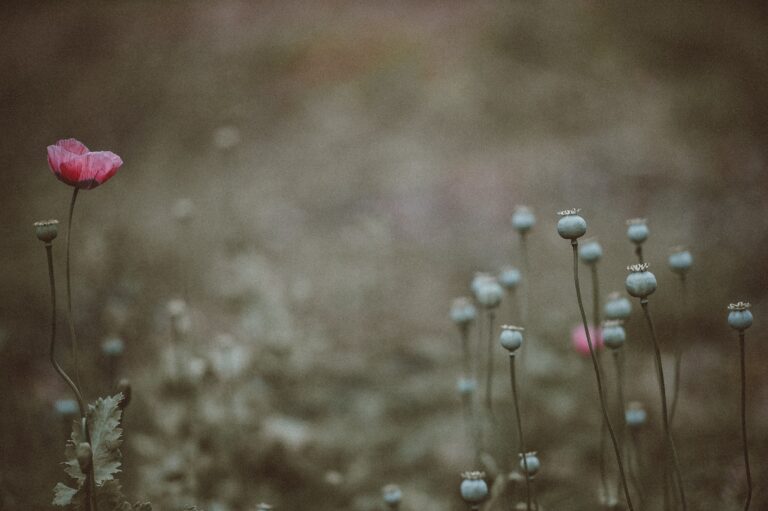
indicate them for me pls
(75, 165)
(579, 339)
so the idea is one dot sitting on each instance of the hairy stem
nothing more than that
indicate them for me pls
(748, 473)
(664, 409)
(520, 439)
(598, 376)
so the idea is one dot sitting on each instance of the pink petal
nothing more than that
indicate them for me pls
(72, 145)
(91, 169)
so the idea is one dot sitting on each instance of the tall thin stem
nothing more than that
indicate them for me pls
(75, 390)
(603, 432)
(618, 358)
(56, 366)
(70, 319)
(679, 348)
(639, 253)
(521, 440)
(744, 420)
(489, 369)
(598, 376)
(664, 409)
(633, 461)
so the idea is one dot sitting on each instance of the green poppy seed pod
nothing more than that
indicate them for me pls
(640, 282)
(511, 338)
(571, 226)
(637, 230)
(590, 252)
(489, 294)
(533, 463)
(392, 495)
(635, 415)
(466, 386)
(739, 316)
(84, 456)
(462, 311)
(479, 278)
(613, 334)
(124, 388)
(66, 408)
(47, 230)
(112, 347)
(509, 277)
(523, 219)
(680, 261)
(617, 307)
(474, 489)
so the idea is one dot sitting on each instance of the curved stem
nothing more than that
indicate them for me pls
(521, 441)
(56, 366)
(678, 348)
(65, 376)
(70, 320)
(664, 409)
(744, 421)
(598, 376)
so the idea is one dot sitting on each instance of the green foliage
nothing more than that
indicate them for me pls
(105, 434)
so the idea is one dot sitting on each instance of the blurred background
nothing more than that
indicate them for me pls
(347, 167)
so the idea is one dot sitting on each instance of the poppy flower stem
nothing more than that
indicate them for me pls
(65, 376)
(664, 410)
(744, 420)
(595, 323)
(56, 366)
(526, 278)
(598, 375)
(521, 441)
(618, 358)
(70, 319)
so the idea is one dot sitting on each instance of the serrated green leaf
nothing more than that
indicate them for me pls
(103, 424)
(105, 430)
(63, 495)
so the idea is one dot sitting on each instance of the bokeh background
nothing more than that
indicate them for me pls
(350, 166)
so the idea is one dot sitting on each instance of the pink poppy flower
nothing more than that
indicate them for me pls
(579, 339)
(72, 163)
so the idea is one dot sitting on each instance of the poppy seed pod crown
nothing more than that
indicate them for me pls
(640, 282)
(571, 226)
(739, 316)
(47, 230)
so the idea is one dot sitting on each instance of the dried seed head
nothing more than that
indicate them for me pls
(739, 306)
(739, 316)
(590, 251)
(462, 311)
(637, 230)
(523, 219)
(392, 495)
(640, 283)
(531, 460)
(617, 307)
(511, 338)
(509, 277)
(680, 260)
(47, 230)
(474, 489)
(635, 414)
(571, 226)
